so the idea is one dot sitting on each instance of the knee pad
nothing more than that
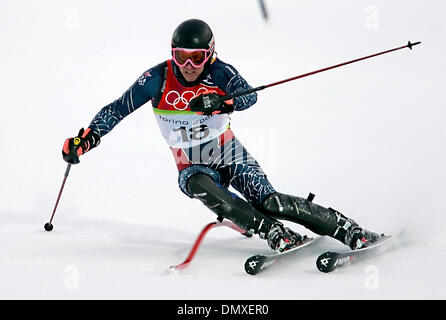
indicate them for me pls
(226, 204)
(188, 172)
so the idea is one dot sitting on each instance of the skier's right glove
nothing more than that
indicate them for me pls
(77, 146)
(209, 103)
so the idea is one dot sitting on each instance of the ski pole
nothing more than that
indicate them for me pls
(242, 93)
(73, 152)
(48, 225)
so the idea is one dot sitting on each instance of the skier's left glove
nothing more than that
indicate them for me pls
(211, 103)
(77, 146)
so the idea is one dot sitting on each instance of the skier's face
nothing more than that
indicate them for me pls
(191, 73)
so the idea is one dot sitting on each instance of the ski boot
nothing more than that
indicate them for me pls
(350, 233)
(358, 238)
(281, 238)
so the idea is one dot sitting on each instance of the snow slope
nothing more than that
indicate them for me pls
(367, 139)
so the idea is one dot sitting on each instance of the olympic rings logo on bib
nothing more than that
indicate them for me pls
(181, 102)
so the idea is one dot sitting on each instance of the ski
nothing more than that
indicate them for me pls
(259, 263)
(332, 260)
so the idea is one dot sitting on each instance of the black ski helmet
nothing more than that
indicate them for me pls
(194, 34)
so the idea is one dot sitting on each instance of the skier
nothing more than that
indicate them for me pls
(185, 93)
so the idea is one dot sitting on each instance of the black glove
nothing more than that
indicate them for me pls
(77, 146)
(210, 103)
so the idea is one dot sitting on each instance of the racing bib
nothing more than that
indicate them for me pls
(180, 127)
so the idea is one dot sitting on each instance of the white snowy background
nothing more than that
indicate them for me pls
(368, 139)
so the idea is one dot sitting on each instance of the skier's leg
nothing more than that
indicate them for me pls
(239, 169)
(203, 183)
(321, 220)
(247, 177)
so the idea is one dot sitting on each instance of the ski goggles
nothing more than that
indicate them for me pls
(196, 57)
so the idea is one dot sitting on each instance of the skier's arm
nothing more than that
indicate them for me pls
(238, 84)
(230, 81)
(144, 89)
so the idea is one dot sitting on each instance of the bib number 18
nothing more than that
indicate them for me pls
(194, 133)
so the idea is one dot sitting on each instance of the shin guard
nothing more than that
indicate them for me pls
(228, 205)
(320, 220)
